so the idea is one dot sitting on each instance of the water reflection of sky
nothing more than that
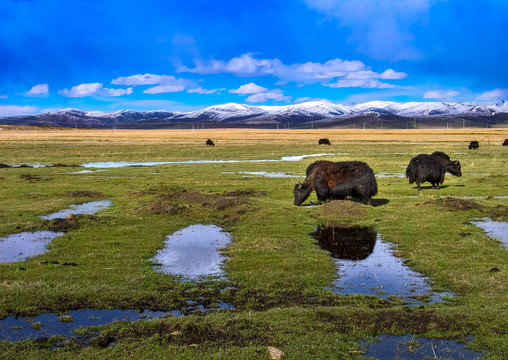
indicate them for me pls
(118, 164)
(88, 208)
(19, 247)
(497, 230)
(193, 252)
(407, 346)
(16, 329)
(379, 273)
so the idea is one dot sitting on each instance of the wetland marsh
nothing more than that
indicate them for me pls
(277, 280)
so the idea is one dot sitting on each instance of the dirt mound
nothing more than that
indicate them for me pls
(31, 178)
(83, 193)
(452, 203)
(223, 208)
(244, 193)
(158, 207)
(343, 208)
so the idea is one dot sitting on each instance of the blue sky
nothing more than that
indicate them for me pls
(179, 55)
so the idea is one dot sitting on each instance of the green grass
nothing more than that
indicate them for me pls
(276, 271)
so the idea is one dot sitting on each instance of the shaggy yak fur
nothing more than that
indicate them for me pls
(431, 168)
(324, 142)
(474, 145)
(337, 181)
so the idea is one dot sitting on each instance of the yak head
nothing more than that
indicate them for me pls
(301, 192)
(454, 168)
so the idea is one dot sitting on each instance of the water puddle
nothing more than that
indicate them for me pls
(390, 175)
(497, 230)
(367, 265)
(481, 197)
(86, 171)
(19, 247)
(46, 325)
(119, 164)
(268, 174)
(409, 347)
(88, 208)
(193, 252)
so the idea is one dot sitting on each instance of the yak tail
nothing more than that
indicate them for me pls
(411, 171)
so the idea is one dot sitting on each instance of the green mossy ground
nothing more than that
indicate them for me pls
(276, 273)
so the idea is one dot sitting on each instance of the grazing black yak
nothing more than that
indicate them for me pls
(324, 142)
(431, 168)
(337, 181)
(474, 145)
(209, 143)
(505, 143)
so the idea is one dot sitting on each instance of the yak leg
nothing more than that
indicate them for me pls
(322, 190)
(418, 185)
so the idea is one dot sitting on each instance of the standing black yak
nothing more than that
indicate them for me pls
(324, 142)
(337, 181)
(474, 145)
(431, 168)
(209, 143)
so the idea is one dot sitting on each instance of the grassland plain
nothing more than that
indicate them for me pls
(275, 272)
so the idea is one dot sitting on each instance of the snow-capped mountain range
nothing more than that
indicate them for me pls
(238, 113)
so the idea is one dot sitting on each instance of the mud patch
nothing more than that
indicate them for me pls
(193, 253)
(19, 247)
(411, 347)
(367, 265)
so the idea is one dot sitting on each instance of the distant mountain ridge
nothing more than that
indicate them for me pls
(239, 114)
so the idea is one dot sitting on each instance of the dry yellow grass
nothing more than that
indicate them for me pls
(493, 136)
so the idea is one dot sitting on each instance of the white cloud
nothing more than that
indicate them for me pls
(38, 89)
(307, 98)
(440, 94)
(249, 88)
(496, 94)
(360, 83)
(4, 96)
(165, 83)
(82, 90)
(93, 89)
(164, 89)
(309, 72)
(146, 79)
(13, 110)
(200, 90)
(380, 28)
(276, 95)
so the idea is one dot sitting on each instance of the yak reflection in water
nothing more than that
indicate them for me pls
(353, 243)
(367, 265)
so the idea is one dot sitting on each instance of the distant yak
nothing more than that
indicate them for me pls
(505, 142)
(209, 143)
(431, 168)
(474, 145)
(337, 181)
(324, 142)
